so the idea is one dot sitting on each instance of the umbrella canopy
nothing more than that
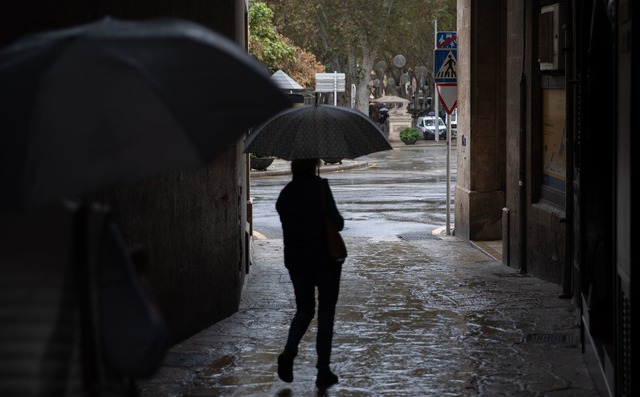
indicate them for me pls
(317, 131)
(391, 99)
(113, 101)
(285, 82)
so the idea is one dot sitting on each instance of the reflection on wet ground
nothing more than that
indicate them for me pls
(433, 317)
(402, 191)
(419, 314)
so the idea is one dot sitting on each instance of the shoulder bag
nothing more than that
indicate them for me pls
(335, 243)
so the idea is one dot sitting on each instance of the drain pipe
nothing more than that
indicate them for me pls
(522, 186)
(567, 274)
(522, 230)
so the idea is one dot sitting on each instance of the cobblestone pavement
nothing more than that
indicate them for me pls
(431, 317)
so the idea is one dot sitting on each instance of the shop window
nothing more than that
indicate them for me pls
(554, 145)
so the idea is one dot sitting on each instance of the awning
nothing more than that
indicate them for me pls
(285, 82)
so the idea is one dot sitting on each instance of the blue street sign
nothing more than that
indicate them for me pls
(446, 39)
(445, 65)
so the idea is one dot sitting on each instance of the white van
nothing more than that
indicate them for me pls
(453, 118)
(427, 125)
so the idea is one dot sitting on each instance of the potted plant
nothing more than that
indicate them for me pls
(259, 162)
(409, 135)
(331, 160)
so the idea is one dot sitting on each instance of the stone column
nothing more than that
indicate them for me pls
(481, 165)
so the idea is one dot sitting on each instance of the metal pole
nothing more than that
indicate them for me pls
(353, 96)
(448, 173)
(522, 185)
(335, 88)
(436, 108)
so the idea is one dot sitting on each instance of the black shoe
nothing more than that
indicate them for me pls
(285, 367)
(326, 378)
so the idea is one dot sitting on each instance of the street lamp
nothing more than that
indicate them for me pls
(416, 106)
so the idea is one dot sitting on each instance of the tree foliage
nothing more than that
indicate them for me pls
(264, 43)
(278, 52)
(303, 67)
(361, 37)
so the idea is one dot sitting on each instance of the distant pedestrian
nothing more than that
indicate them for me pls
(301, 210)
(384, 115)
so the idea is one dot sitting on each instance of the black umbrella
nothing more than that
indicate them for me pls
(114, 101)
(317, 131)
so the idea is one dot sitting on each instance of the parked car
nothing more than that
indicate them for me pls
(427, 125)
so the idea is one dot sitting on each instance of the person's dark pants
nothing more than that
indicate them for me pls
(304, 286)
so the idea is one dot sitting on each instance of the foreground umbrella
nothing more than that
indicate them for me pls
(114, 101)
(317, 131)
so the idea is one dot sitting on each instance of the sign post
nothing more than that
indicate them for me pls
(445, 76)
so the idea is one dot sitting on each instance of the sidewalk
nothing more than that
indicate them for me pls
(283, 167)
(428, 317)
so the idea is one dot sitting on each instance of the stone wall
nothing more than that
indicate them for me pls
(398, 121)
(192, 223)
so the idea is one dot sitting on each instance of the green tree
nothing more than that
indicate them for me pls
(355, 37)
(276, 51)
(264, 43)
(302, 68)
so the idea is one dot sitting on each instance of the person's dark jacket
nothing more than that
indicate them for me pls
(301, 213)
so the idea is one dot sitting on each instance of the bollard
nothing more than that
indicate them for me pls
(505, 236)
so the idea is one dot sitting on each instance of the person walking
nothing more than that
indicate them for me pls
(301, 207)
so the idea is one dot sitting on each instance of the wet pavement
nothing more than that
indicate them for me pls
(389, 193)
(416, 317)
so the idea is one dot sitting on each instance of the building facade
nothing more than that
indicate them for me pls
(193, 223)
(545, 101)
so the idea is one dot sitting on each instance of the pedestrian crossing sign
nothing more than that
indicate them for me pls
(445, 65)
